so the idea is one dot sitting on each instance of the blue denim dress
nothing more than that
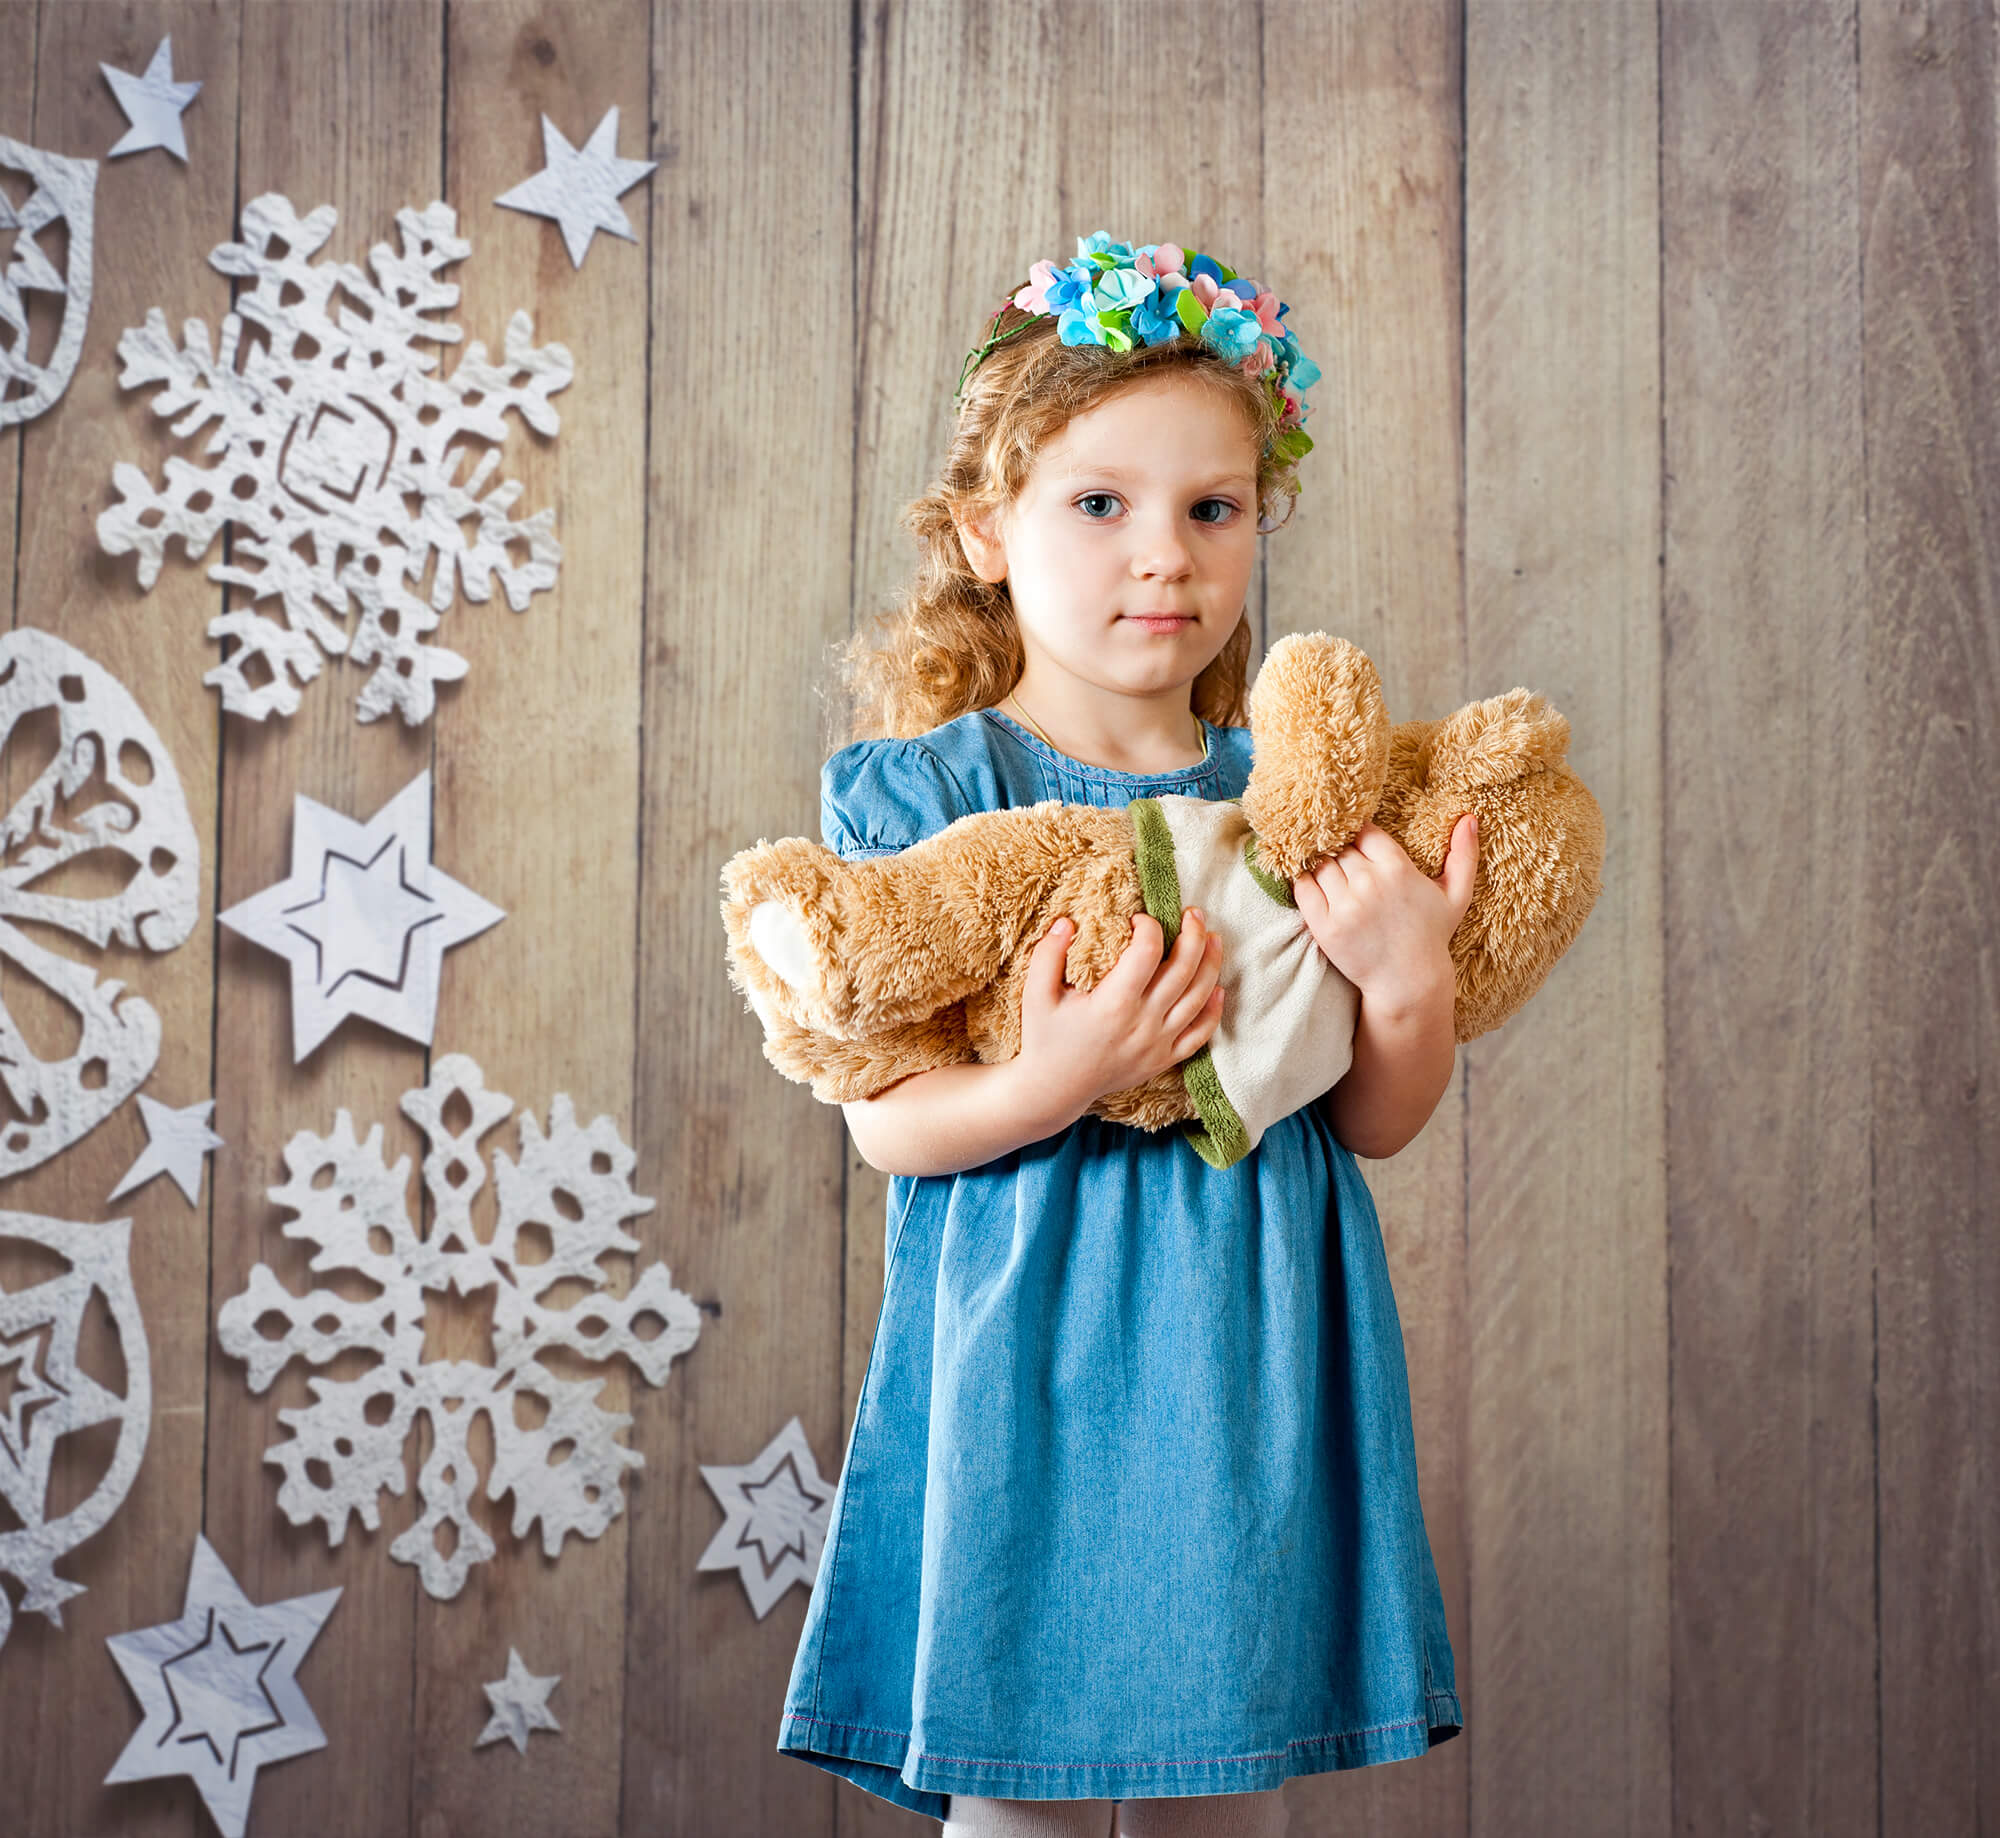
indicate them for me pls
(1129, 1508)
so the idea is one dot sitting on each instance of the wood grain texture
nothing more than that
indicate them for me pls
(752, 398)
(1566, 1262)
(379, 65)
(1930, 271)
(1767, 1026)
(538, 810)
(1361, 212)
(61, 1700)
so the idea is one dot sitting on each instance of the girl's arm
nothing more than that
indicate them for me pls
(1149, 1012)
(1387, 926)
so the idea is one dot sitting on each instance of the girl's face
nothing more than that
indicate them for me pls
(1128, 552)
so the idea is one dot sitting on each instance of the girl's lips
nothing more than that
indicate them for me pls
(1161, 622)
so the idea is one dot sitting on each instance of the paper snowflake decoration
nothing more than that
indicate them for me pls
(340, 461)
(65, 192)
(220, 1690)
(776, 1510)
(559, 1215)
(48, 1396)
(107, 795)
(520, 1703)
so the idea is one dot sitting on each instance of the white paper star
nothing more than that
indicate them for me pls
(152, 104)
(579, 189)
(365, 918)
(520, 1703)
(777, 1508)
(219, 1690)
(176, 1142)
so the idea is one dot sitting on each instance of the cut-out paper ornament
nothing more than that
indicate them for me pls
(152, 104)
(220, 1689)
(106, 799)
(520, 1703)
(365, 918)
(338, 453)
(560, 1212)
(775, 1515)
(48, 1396)
(65, 191)
(579, 187)
(176, 1141)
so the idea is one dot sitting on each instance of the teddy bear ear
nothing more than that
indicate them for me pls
(1495, 741)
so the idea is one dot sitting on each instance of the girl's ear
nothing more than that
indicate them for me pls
(983, 549)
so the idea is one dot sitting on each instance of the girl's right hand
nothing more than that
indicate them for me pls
(1149, 1012)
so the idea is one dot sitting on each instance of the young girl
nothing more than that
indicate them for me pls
(1129, 1512)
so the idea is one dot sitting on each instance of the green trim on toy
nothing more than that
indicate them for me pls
(1219, 1138)
(1280, 891)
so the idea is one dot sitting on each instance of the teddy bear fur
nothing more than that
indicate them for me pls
(865, 972)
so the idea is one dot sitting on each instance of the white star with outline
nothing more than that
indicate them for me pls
(520, 1703)
(365, 918)
(152, 104)
(776, 1513)
(219, 1689)
(579, 189)
(176, 1142)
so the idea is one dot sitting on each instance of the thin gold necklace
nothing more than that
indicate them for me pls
(1053, 748)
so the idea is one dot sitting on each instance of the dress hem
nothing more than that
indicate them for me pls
(881, 1762)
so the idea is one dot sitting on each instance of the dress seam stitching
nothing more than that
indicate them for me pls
(1199, 1761)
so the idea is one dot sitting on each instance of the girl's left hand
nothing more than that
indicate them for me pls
(1382, 922)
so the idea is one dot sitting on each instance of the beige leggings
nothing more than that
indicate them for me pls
(1208, 1815)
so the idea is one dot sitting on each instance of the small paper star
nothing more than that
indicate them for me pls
(219, 1690)
(579, 189)
(152, 104)
(777, 1509)
(176, 1142)
(520, 1703)
(365, 918)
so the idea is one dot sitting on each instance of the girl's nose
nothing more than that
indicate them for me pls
(1161, 552)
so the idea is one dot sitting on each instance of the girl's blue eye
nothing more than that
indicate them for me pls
(1221, 508)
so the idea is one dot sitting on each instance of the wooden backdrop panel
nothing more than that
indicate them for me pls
(1567, 1374)
(61, 1698)
(1361, 212)
(537, 755)
(1766, 727)
(1930, 270)
(749, 489)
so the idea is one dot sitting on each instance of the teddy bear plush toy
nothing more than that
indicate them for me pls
(865, 972)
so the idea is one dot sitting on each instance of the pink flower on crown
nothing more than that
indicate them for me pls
(1034, 298)
(1206, 290)
(1259, 360)
(1265, 306)
(1167, 259)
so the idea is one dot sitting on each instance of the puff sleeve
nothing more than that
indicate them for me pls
(879, 796)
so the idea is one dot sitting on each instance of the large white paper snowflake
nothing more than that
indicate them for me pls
(64, 192)
(559, 1213)
(48, 1395)
(338, 453)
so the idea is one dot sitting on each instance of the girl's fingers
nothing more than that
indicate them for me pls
(1184, 961)
(1140, 958)
(1193, 997)
(1461, 863)
(1195, 1035)
(1045, 963)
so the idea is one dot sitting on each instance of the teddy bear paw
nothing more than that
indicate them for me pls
(778, 938)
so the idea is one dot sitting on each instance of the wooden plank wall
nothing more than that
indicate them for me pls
(1661, 374)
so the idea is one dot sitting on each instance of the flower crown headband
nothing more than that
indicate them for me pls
(1118, 296)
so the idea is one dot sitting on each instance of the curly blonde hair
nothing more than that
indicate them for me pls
(951, 643)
